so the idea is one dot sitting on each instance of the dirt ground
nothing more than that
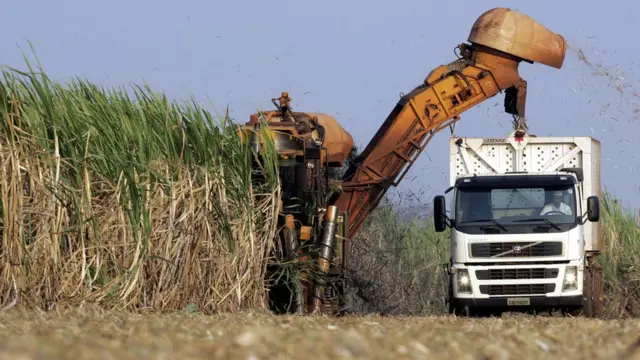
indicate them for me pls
(91, 334)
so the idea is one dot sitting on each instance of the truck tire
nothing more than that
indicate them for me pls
(457, 310)
(466, 311)
(593, 293)
(453, 307)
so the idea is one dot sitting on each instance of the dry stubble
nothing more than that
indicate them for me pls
(92, 333)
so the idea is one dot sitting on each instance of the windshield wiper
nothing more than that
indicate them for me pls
(541, 219)
(489, 220)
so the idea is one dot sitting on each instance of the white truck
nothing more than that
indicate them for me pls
(525, 227)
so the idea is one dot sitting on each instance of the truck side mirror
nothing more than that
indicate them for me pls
(439, 213)
(593, 208)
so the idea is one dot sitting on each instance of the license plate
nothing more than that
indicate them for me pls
(518, 301)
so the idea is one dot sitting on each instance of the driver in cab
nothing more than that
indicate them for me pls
(556, 206)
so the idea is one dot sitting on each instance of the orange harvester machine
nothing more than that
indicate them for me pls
(327, 195)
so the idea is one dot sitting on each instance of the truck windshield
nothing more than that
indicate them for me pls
(515, 209)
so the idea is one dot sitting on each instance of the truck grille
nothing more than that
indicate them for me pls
(486, 250)
(514, 274)
(519, 289)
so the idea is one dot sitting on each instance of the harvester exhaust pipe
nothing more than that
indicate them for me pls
(325, 254)
(255, 138)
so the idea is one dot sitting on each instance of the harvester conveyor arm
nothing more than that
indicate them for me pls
(486, 67)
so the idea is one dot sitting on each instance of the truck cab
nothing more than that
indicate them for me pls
(518, 239)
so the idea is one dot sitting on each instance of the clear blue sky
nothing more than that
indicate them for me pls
(347, 58)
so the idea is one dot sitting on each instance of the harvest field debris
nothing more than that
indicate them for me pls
(92, 333)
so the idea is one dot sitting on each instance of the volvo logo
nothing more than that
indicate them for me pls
(517, 249)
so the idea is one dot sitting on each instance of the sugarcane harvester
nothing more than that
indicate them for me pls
(323, 207)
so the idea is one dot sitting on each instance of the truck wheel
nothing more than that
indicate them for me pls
(593, 293)
(453, 307)
(487, 313)
(456, 310)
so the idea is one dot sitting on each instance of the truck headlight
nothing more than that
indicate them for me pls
(570, 278)
(463, 281)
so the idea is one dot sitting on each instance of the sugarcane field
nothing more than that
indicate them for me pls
(335, 180)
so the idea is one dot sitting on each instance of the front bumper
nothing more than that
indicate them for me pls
(517, 286)
(535, 302)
